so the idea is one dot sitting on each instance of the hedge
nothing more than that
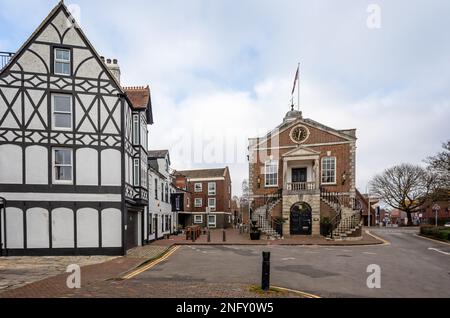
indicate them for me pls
(441, 233)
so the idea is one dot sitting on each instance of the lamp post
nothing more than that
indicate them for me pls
(436, 209)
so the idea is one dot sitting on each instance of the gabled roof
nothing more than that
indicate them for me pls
(62, 7)
(345, 134)
(204, 173)
(158, 154)
(140, 98)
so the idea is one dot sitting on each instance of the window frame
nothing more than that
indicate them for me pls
(214, 207)
(55, 60)
(136, 129)
(211, 224)
(136, 178)
(199, 200)
(200, 189)
(196, 216)
(62, 182)
(70, 97)
(267, 164)
(323, 170)
(215, 188)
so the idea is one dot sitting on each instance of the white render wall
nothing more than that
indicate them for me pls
(63, 228)
(111, 228)
(87, 228)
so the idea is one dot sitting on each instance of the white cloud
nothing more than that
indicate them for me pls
(220, 65)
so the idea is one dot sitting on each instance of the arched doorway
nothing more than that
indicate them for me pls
(301, 219)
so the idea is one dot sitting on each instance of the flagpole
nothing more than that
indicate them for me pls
(299, 86)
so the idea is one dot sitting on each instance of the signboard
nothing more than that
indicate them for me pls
(436, 208)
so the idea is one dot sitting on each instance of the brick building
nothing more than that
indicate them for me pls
(302, 173)
(199, 189)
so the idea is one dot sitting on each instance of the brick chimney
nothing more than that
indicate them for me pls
(114, 68)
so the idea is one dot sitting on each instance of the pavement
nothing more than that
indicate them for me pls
(20, 271)
(411, 266)
(233, 237)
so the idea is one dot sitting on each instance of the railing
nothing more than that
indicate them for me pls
(332, 198)
(301, 186)
(5, 57)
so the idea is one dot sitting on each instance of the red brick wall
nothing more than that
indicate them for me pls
(223, 197)
(342, 152)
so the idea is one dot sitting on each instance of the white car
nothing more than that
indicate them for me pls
(447, 224)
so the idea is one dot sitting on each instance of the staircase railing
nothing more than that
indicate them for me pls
(332, 198)
(5, 57)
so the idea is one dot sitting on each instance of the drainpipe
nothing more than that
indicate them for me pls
(3, 209)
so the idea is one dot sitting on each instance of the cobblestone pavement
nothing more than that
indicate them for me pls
(148, 252)
(137, 288)
(20, 271)
(233, 237)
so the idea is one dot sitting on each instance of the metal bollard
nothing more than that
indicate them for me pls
(224, 238)
(265, 282)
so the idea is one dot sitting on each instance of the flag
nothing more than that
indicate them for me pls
(296, 79)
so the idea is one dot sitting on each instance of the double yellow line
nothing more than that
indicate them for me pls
(298, 292)
(150, 265)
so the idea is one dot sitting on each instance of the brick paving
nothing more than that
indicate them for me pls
(20, 271)
(100, 280)
(233, 237)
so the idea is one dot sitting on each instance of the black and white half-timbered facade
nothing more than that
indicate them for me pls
(73, 148)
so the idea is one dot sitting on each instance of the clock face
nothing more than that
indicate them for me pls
(299, 134)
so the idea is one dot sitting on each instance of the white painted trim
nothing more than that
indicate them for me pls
(62, 197)
(205, 179)
(201, 219)
(52, 95)
(63, 182)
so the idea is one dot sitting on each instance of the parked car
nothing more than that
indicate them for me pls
(447, 224)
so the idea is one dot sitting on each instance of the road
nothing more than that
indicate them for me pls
(410, 267)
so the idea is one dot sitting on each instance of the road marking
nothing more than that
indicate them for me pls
(307, 295)
(152, 264)
(288, 259)
(369, 253)
(438, 250)
(385, 243)
(430, 239)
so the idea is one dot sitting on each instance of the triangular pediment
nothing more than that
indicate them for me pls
(301, 152)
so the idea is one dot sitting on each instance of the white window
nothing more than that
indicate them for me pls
(271, 173)
(212, 188)
(62, 166)
(136, 172)
(136, 129)
(329, 170)
(177, 203)
(188, 203)
(62, 111)
(212, 203)
(62, 62)
(198, 202)
(198, 187)
(212, 221)
(198, 219)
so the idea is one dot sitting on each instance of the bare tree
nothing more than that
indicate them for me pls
(440, 165)
(405, 187)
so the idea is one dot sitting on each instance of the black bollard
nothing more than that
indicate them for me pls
(224, 238)
(265, 284)
(209, 236)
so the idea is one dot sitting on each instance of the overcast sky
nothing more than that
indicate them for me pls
(222, 71)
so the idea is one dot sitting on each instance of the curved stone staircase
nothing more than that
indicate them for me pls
(347, 223)
(260, 217)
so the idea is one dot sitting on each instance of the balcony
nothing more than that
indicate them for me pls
(5, 57)
(301, 186)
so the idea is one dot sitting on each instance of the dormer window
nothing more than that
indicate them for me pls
(62, 62)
